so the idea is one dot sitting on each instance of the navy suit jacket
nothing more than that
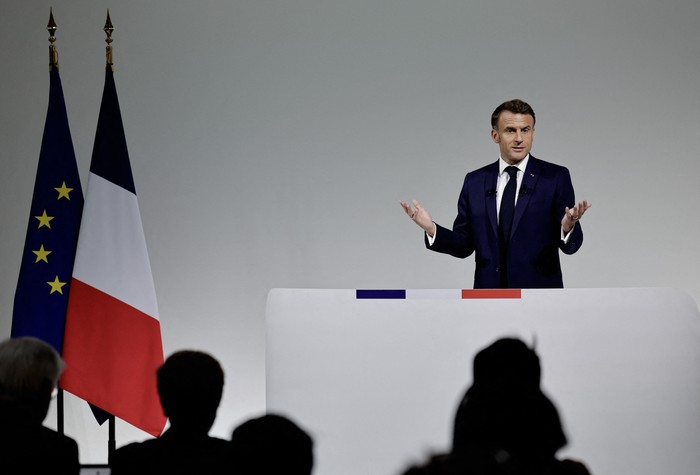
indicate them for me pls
(535, 240)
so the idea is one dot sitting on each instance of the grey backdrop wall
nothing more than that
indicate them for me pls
(272, 140)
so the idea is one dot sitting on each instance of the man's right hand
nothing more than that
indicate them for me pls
(420, 216)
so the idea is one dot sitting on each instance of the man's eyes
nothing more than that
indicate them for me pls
(523, 131)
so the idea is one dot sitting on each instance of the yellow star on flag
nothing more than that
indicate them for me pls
(56, 286)
(41, 254)
(63, 191)
(44, 220)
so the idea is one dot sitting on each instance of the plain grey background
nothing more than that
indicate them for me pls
(272, 139)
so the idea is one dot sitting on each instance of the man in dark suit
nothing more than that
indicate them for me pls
(514, 214)
(29, 371)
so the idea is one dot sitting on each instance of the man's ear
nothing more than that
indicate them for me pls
(494, 136)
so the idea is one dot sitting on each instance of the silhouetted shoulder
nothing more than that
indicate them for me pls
(572, 467)
(172, 456)
(28, 447)
(439, 464)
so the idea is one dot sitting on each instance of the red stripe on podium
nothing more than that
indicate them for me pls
(491, 293)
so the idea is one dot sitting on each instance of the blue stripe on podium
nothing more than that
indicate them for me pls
(380, 294)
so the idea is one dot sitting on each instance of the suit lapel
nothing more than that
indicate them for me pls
(490, 183)
(527, 188)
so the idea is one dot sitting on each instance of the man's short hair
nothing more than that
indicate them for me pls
(190, 384)
(516, 106)
(29, 369)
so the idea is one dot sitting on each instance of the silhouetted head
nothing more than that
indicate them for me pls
(29, 371)
(190, 384)
(507, 364)
(271, 444)
(504, 415)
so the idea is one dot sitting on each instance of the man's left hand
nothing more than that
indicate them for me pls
(571, 215)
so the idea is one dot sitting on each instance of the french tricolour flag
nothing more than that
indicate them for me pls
(112, 344)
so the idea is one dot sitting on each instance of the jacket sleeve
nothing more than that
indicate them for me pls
(565, 198)
(459, 241)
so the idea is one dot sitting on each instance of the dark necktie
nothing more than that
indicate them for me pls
(505, 221)
(505, 215)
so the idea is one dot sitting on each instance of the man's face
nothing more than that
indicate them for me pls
(514, 134)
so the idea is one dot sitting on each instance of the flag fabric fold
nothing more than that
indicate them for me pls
(112, 344)
(44, 280)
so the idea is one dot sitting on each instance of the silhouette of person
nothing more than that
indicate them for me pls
(190, 384)
(29, 372)
(271, 444)
(505, 424)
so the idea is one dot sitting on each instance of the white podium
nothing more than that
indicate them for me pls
(375, 376)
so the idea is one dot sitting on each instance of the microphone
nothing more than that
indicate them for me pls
(490, 192)
(523, 190)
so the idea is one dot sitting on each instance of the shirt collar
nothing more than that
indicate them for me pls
(502, 164)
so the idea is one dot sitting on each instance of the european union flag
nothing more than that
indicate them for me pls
(52, 234)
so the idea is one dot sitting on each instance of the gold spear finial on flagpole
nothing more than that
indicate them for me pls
(108, 31)
(53, 52)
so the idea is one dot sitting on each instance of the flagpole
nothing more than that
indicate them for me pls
(59, 412)
(53, 52)
(112, 442)
(108, 29)
(53, 63)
